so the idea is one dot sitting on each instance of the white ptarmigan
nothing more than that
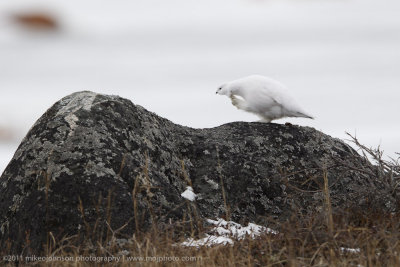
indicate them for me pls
(263, 96)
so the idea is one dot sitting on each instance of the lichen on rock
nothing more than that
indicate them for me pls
(94, 159)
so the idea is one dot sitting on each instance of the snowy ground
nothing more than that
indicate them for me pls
(225, 232)
(340, 59)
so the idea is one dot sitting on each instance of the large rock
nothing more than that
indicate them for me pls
(92, 159)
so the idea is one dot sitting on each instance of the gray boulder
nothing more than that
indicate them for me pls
(93, 163)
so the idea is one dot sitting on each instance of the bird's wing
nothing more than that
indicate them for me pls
(287, 104)
(261, 98)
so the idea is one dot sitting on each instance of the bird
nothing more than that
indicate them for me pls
(262, 96)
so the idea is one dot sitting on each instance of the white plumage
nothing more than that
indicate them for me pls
(263, 96)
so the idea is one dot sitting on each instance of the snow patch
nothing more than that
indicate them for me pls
(208, 241)
(237, 230)
(189, 194)
(350, 250)
(224, 232)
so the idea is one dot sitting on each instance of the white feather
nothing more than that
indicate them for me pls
(263, 96)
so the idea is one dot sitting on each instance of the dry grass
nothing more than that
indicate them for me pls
(301, 242)
(327, 238)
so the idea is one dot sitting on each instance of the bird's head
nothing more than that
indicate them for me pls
(223, 90)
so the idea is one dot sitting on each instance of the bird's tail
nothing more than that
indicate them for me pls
(303, 115)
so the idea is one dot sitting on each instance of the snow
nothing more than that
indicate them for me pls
(238, 231)
(189, 194)
(225, 232)
(208, 241)
(350, 250)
